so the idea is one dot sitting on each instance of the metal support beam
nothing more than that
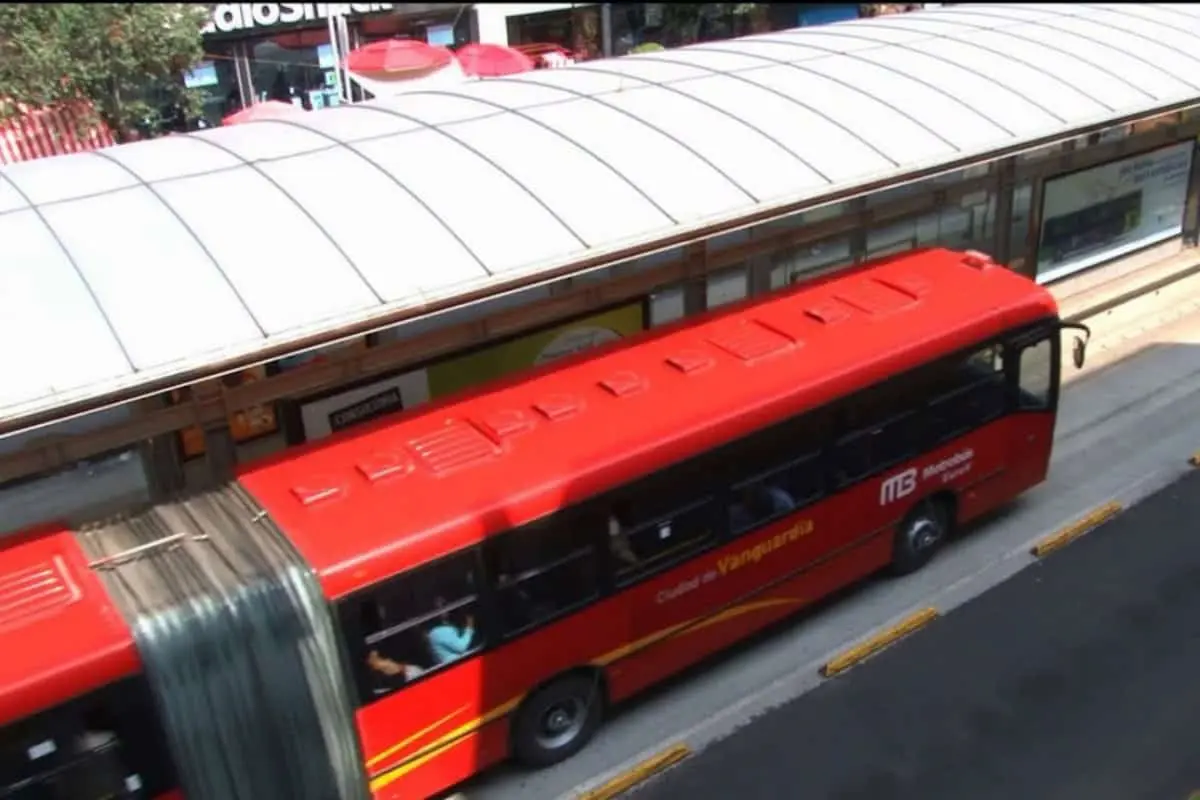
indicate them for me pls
(1005, 183)
(1191, 210)
(220, 453)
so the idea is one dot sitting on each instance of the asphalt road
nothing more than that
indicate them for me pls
(1076, 679)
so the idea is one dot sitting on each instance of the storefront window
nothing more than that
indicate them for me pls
(215, 79)
(576, 29)
(644, 26)
(453, 31)
(296, 67)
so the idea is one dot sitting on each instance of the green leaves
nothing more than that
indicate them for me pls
(126, 58)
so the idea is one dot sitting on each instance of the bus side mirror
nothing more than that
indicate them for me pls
(1079, 352)
(1079, 347)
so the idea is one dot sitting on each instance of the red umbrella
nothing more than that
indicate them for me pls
(395, 57)
(492, 60)
(267, 109)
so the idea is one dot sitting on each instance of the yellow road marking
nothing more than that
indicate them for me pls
(879, 641)
(638, 773)
(1076, 529)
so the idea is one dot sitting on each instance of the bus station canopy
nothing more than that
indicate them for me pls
(126, 268)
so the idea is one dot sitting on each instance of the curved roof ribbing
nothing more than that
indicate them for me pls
(131, 265)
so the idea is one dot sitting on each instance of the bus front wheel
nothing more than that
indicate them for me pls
(919, 537)
(558, 720)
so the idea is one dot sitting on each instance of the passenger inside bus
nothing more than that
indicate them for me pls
(618, 538)
(758, 503)
(386, 661)
(450, 642)
(391, 668)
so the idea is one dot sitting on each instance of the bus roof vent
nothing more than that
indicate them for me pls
(750, 340)
(378, 466)
(29, 593)
(316, 490)
(623, 383)
(912, 285)
(690, 361)
(506, 422)
(978, 260)
(827, 313)
(875, 297)
(558, 406)
(456, 444)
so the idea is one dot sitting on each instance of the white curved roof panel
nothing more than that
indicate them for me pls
(136, 264)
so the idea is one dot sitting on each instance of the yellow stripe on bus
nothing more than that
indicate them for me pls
(448, 740)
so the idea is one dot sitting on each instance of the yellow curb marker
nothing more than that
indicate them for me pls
(1076, 529)
(638, 773)
(879, 641)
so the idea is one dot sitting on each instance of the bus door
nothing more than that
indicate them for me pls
(1032, 368)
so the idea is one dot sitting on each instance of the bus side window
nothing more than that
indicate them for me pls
(643, 540)
(775, 494)
(542, 572)
(1036, 375)
(104, 745)
(419, 622)
(976, 396)
(877, 447)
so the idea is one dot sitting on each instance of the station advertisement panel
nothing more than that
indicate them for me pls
(324, 415)
(533, 350)
(1102, 213)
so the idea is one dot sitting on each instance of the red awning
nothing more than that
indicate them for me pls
(268, 109)
(50, 132)
(492, 60)
(397, 57)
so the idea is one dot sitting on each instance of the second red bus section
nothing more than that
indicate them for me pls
(503, 567)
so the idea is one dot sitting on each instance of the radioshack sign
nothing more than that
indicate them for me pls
(234, 17)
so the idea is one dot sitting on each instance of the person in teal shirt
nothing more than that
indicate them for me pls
(449, 642)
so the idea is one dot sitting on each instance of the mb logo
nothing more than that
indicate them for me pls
(902, 484)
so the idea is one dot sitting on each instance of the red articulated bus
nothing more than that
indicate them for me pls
(385, 613)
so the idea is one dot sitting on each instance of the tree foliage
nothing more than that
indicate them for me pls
(126, 58)
(682, 22)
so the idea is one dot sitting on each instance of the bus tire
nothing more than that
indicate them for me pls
(919, 536)
(556, 721)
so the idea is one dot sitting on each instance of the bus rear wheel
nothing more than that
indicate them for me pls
(558, 720)
(919, 537)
